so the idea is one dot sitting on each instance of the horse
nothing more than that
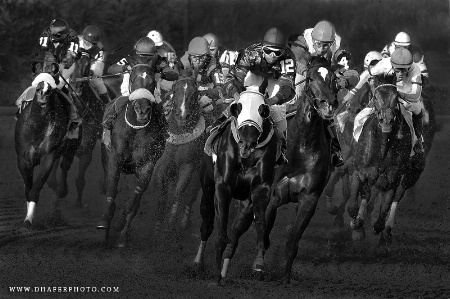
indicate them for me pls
(345, 135)
(183, 152)
(380, 157)
(246, 157)
(137, 142)
(40, 135)
(91, 128)
(303, 179)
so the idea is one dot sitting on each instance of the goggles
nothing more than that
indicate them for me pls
(320, 44)
(401, 70)
(274, 52)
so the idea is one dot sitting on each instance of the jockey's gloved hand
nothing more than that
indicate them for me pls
(348, 97)
(126, 68)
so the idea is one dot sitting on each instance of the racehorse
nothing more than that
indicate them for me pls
(303, 179)
(40, 135)
(380, 156)
(246, 158)
(345, 135)
(183, 152)
(137, 142)
(91, 128)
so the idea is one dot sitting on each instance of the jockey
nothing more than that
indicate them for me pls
(226, 58)
(213, 43)
(409, 86)
(265, 64)
(145, 52)
(199, 59)
(403, 40)
(168, 55)
(90, 43)
(323, 41)
(63, 43)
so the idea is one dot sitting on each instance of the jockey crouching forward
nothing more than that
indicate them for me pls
(198, 60)
(409, 86)
(260, 64)
(63, 43)
(322, 41)
(168, 56)
(90, 43)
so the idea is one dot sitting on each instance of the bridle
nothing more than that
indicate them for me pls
(311, 96)
(131, 81)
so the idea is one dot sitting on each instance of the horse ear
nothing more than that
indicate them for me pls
(264, 110)
(235, 109)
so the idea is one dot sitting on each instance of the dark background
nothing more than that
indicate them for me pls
(365, 25)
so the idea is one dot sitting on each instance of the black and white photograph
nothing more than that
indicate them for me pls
(225, 149)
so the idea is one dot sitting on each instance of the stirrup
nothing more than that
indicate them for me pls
(337, 160)
(282, 159)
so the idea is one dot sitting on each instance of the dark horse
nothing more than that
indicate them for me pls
(40, 135)
(383, 160)
(308, 150)
(137, 142)
(91, 128)
(345, 134)
(380, 155)
(246, 157)
(183, 152)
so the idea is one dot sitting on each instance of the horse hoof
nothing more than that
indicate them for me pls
(258, 265)
(26, 227)
(103, 224)
(213, 284)
(199, 267)
(359, 234)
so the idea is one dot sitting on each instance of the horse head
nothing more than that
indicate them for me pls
(142, 76)
(385, 101)
(44, 84)
(320, 86)
(250, 112)
(45, 62)
(186, 106)
(141, 100)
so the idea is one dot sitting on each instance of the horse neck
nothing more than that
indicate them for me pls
(174, 128)
(308, 123)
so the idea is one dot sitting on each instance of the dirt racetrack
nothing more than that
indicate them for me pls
(329, 263)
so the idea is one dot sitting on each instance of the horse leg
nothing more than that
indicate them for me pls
(187, 187)
(52, 181)
(354, 194)
(144, 175)
(161, 181)
(66, 162)
(27, 175)
(358, 223)
(260, 200)
(329, 190)
(222, 199)
(80, 181)
(206, 212)
(385, 206)
(306, 209)
(241, 224)
(386, 235)
(111, 182)
(46, 166)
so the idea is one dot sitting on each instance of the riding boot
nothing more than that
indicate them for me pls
(336, 158)
(417, 124)
(283, 145)
(105, 98)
